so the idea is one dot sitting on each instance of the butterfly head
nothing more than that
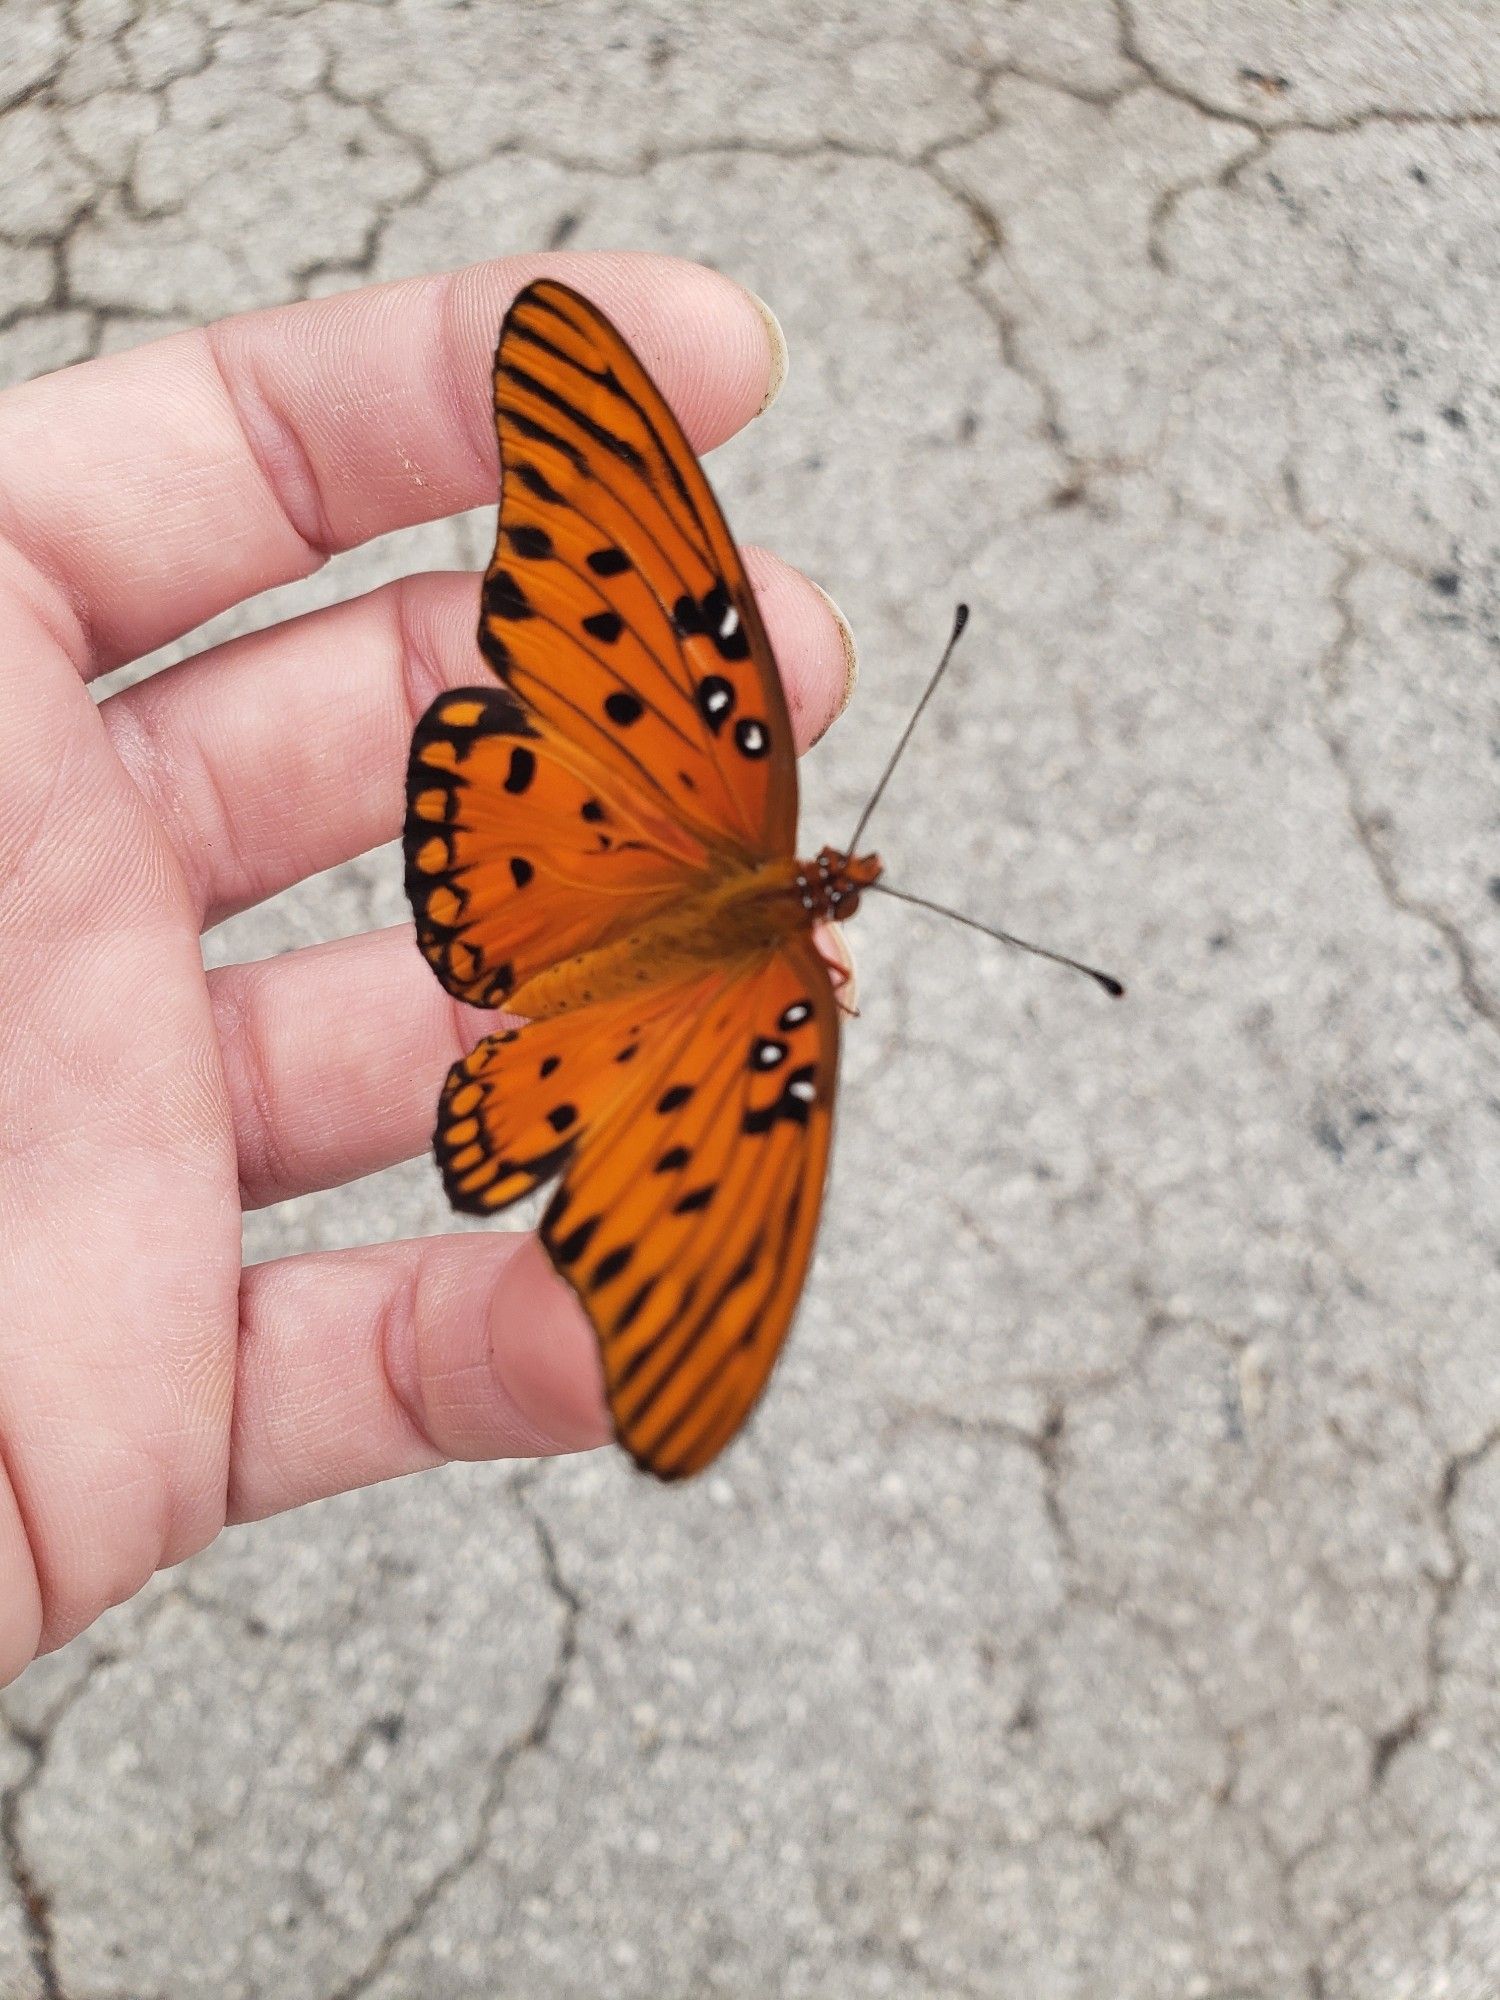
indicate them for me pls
(831, 885)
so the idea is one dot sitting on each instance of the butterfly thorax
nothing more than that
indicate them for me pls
(828, 887)
(738, 914)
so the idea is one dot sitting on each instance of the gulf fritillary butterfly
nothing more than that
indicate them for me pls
(604, 843)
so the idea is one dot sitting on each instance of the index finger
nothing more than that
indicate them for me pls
(154, 488)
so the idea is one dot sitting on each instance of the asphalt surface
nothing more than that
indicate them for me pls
(1104, 1605)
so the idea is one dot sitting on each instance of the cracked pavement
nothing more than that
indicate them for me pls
(1105, 1604)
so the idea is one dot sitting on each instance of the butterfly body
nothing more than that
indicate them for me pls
(744, 914)
(602, 841)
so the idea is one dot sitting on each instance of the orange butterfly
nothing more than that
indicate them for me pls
(604, 844)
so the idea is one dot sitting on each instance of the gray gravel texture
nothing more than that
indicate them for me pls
(1104, 1605)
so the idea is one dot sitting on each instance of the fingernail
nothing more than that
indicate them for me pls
(777, 341)
(851, 660)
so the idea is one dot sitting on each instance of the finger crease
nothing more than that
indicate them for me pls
(60, 610)
(277, 451)
(457, 387)
(157, 774)
(264, 1171)
(399, 1311)
(419, 673)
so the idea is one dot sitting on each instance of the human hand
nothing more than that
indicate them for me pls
(151, 1391)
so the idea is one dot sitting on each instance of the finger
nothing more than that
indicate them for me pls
(333, 1057)
(362, 1365)
(154, 488)
(278, 754)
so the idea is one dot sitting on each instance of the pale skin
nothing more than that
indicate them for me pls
(150, 1390)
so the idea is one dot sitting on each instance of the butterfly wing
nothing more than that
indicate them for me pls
(616, 605)
(518, 855)
(693, 1129)
(686, 1221)
(516, 1109)
(644, 740)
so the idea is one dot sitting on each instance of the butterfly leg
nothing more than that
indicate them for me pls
(838, 961)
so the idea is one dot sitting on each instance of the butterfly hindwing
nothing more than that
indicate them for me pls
(513, 859)
(517, 1107)
(616, 604)
(686, 1218)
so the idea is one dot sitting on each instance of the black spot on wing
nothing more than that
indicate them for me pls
(721, 620)
(623, 707)
(531, 542)
(792, 1107)
(613, 1263)
(504, 597)
(534, 480)
(498, 985)
(571, 1247)
(608, 562)
(713, 616)
(631, 1310)
(715, 699)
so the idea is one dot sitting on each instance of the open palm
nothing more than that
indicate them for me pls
(150, 1390)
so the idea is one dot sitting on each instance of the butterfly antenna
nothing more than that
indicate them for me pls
(960, 619)
(1110, 984)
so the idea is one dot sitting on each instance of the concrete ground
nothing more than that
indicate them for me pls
(1104, 1606)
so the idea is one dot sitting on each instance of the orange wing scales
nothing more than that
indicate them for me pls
(635, 765)
(515, 1108)
(687, 1221)
(616, 603)
(513, 860)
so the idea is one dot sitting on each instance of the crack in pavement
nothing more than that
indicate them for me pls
(1446, 1586)
(533, 1737)
(35, 1902)
(1355, 121)
(1368, 823)
(35, 1898)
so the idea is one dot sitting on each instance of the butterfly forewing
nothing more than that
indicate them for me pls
(616, 603)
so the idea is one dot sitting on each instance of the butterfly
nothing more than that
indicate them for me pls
(603, 842)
